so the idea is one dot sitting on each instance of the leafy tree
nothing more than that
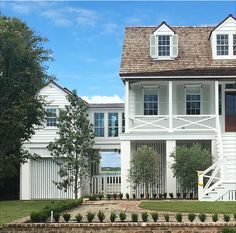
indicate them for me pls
(73, 150)
(22, 75)
(186, 162)
(144, 167)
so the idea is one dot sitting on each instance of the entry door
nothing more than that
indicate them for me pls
(230, 111)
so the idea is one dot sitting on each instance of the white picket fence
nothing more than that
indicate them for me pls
(106, 184)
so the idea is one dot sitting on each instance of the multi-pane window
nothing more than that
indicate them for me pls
(99, 124)
(220, 99)
(163, 46)
(234, 44)
(193, 100)
(112, 124)
(222, 45)
(51, 117)
(150, 101)
(123, 122)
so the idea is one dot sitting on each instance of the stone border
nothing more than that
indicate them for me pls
(118, 224)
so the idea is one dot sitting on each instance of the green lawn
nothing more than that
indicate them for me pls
(190, 206)
(12, 210)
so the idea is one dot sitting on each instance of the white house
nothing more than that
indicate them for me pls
(180, 88)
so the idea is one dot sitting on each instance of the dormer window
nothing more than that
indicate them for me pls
(222, 45)
(164, 43)
(163, 46)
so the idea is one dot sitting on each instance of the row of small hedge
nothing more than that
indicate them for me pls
(120, 196)
(57, 207)
(229, 230)
(90, 216)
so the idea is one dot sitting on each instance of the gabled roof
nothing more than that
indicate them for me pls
(195, 55)
(218, 25)
(167, 25)
(67, 91)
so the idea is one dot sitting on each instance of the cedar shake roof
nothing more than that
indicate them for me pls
(194, 58)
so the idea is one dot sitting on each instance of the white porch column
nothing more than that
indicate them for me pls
(216, 101)
(170, 107)
(170, 179)
(126, 107)
(125, 166)
(25, 181)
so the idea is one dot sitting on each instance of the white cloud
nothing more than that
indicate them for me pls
(21, 8)
(98, 99)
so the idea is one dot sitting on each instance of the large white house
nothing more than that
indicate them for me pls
(180, 88)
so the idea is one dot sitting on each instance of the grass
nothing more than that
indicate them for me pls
(190, 206)
(13, 210)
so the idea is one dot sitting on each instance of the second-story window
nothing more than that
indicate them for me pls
(113, 124)
(99, 124)
(51, 117)
(234, 44)
(163, 46)
(193, 100)
(150, 101)
(123, 122)
(222, 45)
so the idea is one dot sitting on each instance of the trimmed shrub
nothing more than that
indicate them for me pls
(100, 196)
(121, 196)
(56, 216)
(134, 217)
(178, 195)
(171, 195)
(165, 195)
(127, 196)
(179, 217)
(154, 195)
(144, 216)
(228, 230)
(202, 217)
(184, 195)
(160, 195)
(101, 216)
(134, 196)
(115, 196)
(109, 196)
(226, 217)
(142, 195)
(122, 216)
(154, 216)
(234, 216)
(191, 217)
(90, 216)
(78, 217)
(66, 217)
(215, 217)
(191, 195)
(35, 217)
(113, 216)
(93, 197)
(167, 217)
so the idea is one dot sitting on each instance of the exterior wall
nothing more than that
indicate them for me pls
(161, 227)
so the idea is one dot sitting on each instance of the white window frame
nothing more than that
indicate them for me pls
(110, 127)
(57, 112)
(185, 98)
(230, 44)
(99, 127)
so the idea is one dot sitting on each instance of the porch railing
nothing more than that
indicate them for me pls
(172, 123)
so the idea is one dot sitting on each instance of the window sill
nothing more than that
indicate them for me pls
(164, 59)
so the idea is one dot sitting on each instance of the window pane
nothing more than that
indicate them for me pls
(234, 44)
(112, 124)
(51, 117)
(150, 101)
(222, 45)
(163, 45)
(99, 124)
(193, 101)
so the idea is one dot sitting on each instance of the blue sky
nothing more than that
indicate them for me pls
(86, 37)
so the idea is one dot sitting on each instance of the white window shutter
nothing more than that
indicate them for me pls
(175, 48)
(153, 50)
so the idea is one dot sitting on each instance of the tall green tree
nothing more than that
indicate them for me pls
(187, 161)
(73, 150)
(144, 168)
(23, 72)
